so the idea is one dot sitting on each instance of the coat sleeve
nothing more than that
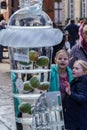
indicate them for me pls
(73, 56)
(54, 79)
(80, 95)
(51, 80)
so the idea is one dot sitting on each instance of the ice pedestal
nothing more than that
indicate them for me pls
(29, 29)
(48, 114)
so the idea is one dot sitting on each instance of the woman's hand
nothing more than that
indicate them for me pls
(67, 88)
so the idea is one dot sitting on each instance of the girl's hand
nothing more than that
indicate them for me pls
(67, 88)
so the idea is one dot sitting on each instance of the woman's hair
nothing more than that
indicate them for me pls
(85, 29)
(83, 64)
(61, 51)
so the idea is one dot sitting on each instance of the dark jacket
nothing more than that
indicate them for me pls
(77, 53)
(73, 29)
(76, 105)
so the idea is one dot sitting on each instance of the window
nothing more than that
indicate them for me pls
(71, 9)
(57, 12)
(83, 8)
(3, 5)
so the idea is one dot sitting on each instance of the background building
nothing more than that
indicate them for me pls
(75, 9)
(7, 7)
(58, 10)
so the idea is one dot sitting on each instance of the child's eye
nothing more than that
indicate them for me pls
(75, 68)
(59, 58)
(65, 58)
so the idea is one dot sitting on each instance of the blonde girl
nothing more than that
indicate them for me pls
(76, 99)
(60, 72)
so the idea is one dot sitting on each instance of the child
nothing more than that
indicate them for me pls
(60, 72)
(76, 100)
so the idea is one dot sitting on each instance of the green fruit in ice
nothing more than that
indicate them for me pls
(34, 81)
(44, 86)
(32, 110)
(27, 86)
(25, 107)
(42, 61)
(25, 63)
(33, 55)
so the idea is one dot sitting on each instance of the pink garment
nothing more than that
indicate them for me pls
(62, 88)
(81, 32)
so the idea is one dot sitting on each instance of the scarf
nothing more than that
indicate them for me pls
(84, 45)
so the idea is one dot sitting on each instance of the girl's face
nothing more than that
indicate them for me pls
(62, 60)
(77, 70)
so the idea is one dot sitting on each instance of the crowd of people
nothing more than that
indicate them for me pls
(69, 75)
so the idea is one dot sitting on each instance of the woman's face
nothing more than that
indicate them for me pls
(62, 60)
(77, 70)
(85, 36)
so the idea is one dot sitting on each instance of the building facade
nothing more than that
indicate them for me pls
(58, 10)
(7, 7)
(75, 9)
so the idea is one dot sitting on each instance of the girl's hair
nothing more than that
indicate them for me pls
(83, 64)
(61, 51)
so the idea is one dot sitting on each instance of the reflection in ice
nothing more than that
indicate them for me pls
(47, 115)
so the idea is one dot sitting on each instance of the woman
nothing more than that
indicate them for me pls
(79, 51)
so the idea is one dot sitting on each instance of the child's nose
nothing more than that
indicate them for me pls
(62, 59)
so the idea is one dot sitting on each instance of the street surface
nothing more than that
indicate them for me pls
(6, 99)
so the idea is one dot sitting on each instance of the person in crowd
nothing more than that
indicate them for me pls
(67, 41)
(73, 29)
(60, 72)
(82, 24)
(56, 48)
(67, 22)
(2, 26)
(79, 51)
(65, 44)
(76, 98)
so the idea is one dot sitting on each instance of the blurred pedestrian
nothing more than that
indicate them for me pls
(73, 29)
(57, 47)
(2, 26)
(65, 44)
(67, 41)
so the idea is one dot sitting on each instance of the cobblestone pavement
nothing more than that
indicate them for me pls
(6, 99)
